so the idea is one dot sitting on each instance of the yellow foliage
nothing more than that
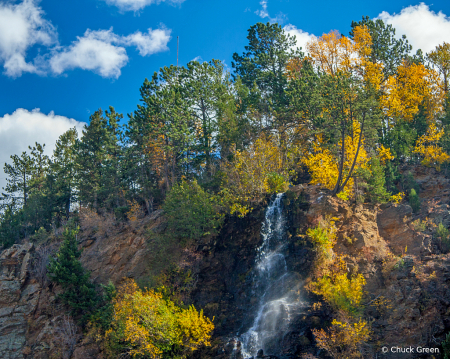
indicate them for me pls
(323, 237)
(427, 146)
(146, 325)
(253, 173)
(339, 289)
(413, 85)
(324, 166)
(135, 211)
(397, 198)
(334, 53)
(385, 155)
(343, 339)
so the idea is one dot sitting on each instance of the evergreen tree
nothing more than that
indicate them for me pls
(414, 201)
(376, 183)
(66, 269)
(262, 68)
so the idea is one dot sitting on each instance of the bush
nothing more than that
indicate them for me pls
(414, 201)
(343, 339)
(339, 290)
(145, 325)
(275, 183)
(323, 237)
(192, 212)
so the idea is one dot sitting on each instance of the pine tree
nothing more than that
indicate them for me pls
(414, 201)
(376, 183)
(66, 269)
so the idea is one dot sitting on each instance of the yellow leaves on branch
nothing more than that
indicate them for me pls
(427, 146)
(385, 155)
(146, 325)
(254, 172)
(413, 85)
(343, 338)
(339, 289)
(324, 165)
(334, 53)
(323, 237)
(397, 198)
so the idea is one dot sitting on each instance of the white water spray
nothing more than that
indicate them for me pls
(277, 288)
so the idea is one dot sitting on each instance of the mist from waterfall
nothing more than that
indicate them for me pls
(278, 289)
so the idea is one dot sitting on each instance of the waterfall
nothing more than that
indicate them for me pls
(277, 289)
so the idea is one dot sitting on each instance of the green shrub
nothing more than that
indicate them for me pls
(323, 237)
(276, 183)
(192, 212)
(414, 201)
(442, 232)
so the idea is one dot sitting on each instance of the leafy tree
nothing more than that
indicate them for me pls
(66, 269)
(339, 290)
(387, 49)
(145, 325)
(344, 338)
(191, 212)
(253, 173)
(427, 146)
(440, 58)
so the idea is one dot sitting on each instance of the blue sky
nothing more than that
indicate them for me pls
(68, 58)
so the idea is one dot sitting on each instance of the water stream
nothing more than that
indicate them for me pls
(277, 289)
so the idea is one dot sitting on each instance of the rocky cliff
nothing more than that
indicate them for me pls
(395, 249)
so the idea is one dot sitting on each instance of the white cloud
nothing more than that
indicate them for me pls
(23, 128)
(94, 51)
(102, 51)
(22, 26)
(135, 5)
(301, 36)
(264, 13)
(152, 42)
(424, 28)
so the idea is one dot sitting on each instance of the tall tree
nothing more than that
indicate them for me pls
(440, 58)
(262, 68)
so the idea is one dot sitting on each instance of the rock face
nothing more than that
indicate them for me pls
(18, 299)
(407, 266)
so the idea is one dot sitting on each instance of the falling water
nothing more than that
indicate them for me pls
(276, 288)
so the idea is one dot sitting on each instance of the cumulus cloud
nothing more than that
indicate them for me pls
(94, 51)
(149, 43)
(424, 28)
(264, 13)
(301, 36)
(103, 51)
(23, 128)
(22, 26)
(135, 5)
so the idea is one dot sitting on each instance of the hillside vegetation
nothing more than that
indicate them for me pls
(355, 116)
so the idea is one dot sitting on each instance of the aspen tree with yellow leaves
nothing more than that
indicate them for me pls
(145, 325)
